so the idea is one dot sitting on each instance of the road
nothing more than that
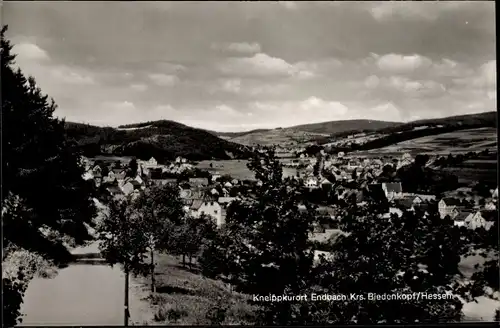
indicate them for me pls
(81, 294)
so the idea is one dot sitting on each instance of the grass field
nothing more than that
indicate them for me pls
(184, 297)
(236, 168)
(454, 142)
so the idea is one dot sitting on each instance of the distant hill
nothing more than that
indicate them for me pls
(160, 139)
(344, 125)
(236, 134)
(417, 129)
(303, 133)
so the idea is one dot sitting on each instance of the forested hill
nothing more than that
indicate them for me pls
(160, 139)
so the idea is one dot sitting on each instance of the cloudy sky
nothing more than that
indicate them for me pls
(240, 66)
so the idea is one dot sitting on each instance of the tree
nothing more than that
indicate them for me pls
(408, 254)
(123, 242)
(159, 209)
(189, 238)
(485, 281)
(264, 246)
(133, 167)
(45, 200)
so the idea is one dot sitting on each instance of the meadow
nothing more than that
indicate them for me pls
(453, 142)
(236, 168)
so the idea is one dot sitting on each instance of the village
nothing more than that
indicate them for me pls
(211, 194)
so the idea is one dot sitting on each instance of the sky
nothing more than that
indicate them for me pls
(236, 66)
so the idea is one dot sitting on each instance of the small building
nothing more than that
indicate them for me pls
(311, 182)
(326, 184)
(449, 206)
(392, 210)
(224, 201)
(211, 208)
(235, 182)
(392, 190)
(130, 186)
(152, 162)
(228, 184)
(481, 219)
(198, 181)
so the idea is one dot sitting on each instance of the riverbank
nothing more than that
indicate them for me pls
(185, 297)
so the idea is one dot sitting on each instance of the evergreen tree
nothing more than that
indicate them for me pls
(45, 201)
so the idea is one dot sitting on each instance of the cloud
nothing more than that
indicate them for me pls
(68, 75)
(30, 51)
(402, 63)
(262, 64)
(483, 78)
(404, 10)
(228, 85)
(409, 87)
(139, 87)
(164, 80)
(240, 47)
(291, 5)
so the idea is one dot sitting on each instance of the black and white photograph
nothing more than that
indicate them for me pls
(257, 163)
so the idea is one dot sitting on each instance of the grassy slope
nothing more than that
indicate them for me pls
(190, 295)
(303, 133)
(433, 127)
(161, 139)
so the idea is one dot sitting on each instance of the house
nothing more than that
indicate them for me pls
(198, 181)
(352, 165)
(449, 206)
(392, 190)
(151, 162)
(214, 192)
(224, 201)
(179, 160)
(341, 154)
(311, 182)
(97, 170)
(212, 209)
(326, 184)
(495, 193)
(215, 177)
(490, 206)
(228, 184)
(235, 182)
(130, 186)
(461, 218)
(481, 219)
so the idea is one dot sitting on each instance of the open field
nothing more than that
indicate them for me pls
(183, 296)
(276, 136)
(453, 142)
(236, 168)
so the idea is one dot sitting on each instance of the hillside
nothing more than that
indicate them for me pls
(161, 139)
(301, 134)
(389, 136)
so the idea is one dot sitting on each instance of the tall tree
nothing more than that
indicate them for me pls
(45, 201)
(404, 254)
(265, 241)
(123, 242)
(160, 209)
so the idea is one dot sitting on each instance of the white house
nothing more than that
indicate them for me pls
(228, 184)
(341, 154)
(475, 221)
(311, 182)
(212, 209)
(449, 206)
(392, 190)
(495, 193)
(151, 162)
